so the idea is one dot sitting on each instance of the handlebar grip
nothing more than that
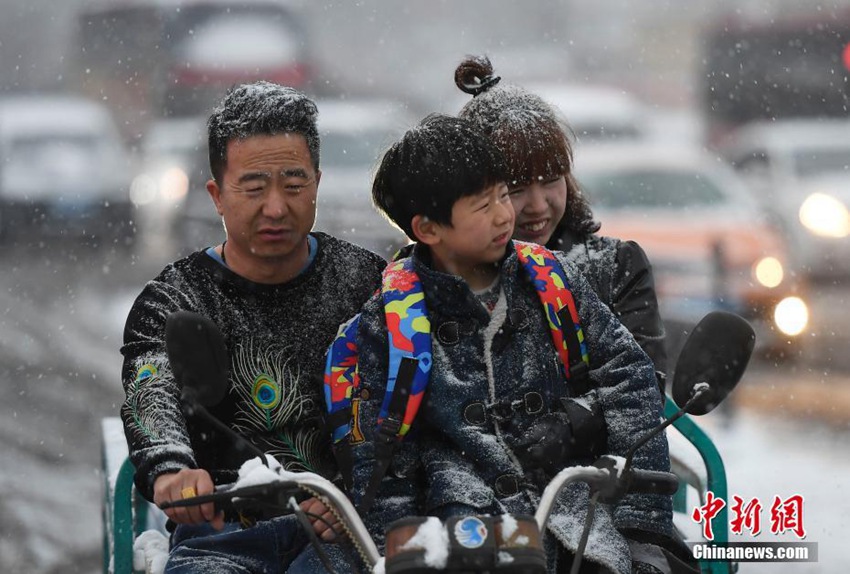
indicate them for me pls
(653, 482)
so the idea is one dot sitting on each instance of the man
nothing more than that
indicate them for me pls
(278, 292)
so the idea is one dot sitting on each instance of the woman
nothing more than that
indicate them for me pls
(551, 209)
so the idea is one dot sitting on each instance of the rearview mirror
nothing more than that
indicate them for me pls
(716, 354)
(198, 357)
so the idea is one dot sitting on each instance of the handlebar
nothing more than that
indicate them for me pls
(653, 482)
(566, 477)
(326, 491)
(606, 477)
(288, 484)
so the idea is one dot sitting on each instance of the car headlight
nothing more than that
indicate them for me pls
(172, 185)
(768, 271)
(824, 215)
(791, 316)
(143, 189)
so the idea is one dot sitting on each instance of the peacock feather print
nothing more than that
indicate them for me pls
(300, 449)
(272, 403)
(149, 388)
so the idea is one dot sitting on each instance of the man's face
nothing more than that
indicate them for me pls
(267, 198)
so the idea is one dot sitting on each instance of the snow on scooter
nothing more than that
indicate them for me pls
(711, 363)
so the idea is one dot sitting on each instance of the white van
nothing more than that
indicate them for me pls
(63, 170)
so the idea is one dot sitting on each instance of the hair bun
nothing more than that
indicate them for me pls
(475, 75)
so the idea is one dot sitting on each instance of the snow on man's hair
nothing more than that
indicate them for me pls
(260, 108)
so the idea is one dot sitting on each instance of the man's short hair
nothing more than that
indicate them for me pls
(260, 108)
(435, 164)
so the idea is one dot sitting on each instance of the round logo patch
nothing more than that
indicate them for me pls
(470, 532)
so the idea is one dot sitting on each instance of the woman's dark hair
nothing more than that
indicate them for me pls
(530, 134)
(435, 164)
(260, 108)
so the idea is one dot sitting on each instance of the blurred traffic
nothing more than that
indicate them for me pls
(597, 113)
(800, 172)
(657, 164)
(354, 133)
(152, 59)
(709, 243)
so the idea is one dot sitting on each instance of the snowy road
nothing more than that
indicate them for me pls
(61, 315)
(60, 329)
(768, 456)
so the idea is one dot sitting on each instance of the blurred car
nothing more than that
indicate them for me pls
(354, 133)
(183, 55)
(196, 224)
(172, 157)
(800, 171)
(64, 170)
(174, 140)
(707, 240)
(596, 113)
(169, 153)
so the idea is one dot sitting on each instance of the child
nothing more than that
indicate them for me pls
(494, 374)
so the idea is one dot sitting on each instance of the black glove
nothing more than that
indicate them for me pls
(589, 431)
(575, 435)
(547, 444)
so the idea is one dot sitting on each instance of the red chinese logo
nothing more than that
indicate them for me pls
(745, 516)
(707, 512)
(787, 516)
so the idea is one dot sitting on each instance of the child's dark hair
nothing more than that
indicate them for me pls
(433, 165)
(260, 108)
(530, 133)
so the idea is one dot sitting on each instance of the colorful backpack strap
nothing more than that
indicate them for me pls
(409, 333)
(553, 289)
(342, 379)
(408, 367)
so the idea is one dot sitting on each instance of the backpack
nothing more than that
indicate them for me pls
(409, 342)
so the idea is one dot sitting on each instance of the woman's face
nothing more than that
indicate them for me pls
(539, 206)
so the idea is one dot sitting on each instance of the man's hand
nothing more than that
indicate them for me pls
(177, 486)
(327, 529)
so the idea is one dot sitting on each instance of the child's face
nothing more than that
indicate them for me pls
(482, 225)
